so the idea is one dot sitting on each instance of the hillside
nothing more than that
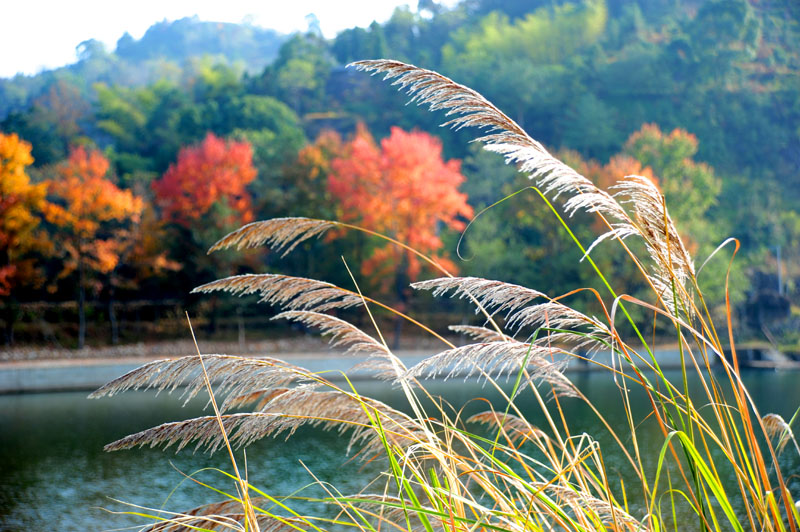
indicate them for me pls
(701, 94)
(166, 50)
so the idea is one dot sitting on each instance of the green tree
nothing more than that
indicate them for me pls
(299, 74)
(691, 188)
(546, 36)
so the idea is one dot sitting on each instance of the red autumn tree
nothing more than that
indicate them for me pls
(401, 188)
(90, 215)
(215, 172)
(205, 193)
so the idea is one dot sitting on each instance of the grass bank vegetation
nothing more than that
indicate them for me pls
(718, 464)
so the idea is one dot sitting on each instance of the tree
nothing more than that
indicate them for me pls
(21, 205)
(303, 188)
(545, 36)
(89, 214)
(299, 74)
(143, 258)
(404, 189)
(55, 119)
(215, 171)
(204, 193)
(147, 124)
(691, 188)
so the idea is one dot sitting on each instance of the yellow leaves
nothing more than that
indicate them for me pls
(21, 204)
(105, 257)
(15, 155)
(90, 219)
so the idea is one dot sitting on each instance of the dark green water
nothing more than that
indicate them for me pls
(55, 475)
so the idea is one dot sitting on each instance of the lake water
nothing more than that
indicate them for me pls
(55, 475)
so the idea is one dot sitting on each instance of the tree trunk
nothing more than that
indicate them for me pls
(211, 328)
(9, 305)
(10, 308)
(81, 309)
(112, 317)
(240, 323)
(401, 289)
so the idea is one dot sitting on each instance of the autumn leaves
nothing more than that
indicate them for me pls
(401, 188)
(206, 174)
(21, 205)
(77, 224)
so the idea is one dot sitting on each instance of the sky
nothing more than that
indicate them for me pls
(42, 34)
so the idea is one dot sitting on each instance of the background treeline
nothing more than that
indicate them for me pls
(703, 96)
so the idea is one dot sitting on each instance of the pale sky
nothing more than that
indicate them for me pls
(40, 34)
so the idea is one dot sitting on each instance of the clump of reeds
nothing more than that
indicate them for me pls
(719, 456)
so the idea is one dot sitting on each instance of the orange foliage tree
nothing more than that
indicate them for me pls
(402, 188)
(21, 205)
(303, 190)
(207, 175)
(90, 215)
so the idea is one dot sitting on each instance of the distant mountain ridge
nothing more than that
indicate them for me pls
(163, 52)
(190, 37)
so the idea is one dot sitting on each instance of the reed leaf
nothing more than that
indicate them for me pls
(492, 295)
(293, 293)
(495, 359)
(284, 413)
(233, 376)
(281, 234)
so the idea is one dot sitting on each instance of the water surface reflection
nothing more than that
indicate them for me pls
(53, 471)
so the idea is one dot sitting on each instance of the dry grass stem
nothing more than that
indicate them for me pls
(342, 333)
(515, 427)
(220, 520)
(283, 413)
(232, 375)
(776, 426)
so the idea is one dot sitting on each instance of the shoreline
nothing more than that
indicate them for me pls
(89, 373)
(24, 370)
(48, 376)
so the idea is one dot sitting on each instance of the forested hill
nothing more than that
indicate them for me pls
(702, 94)
(166, 51)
